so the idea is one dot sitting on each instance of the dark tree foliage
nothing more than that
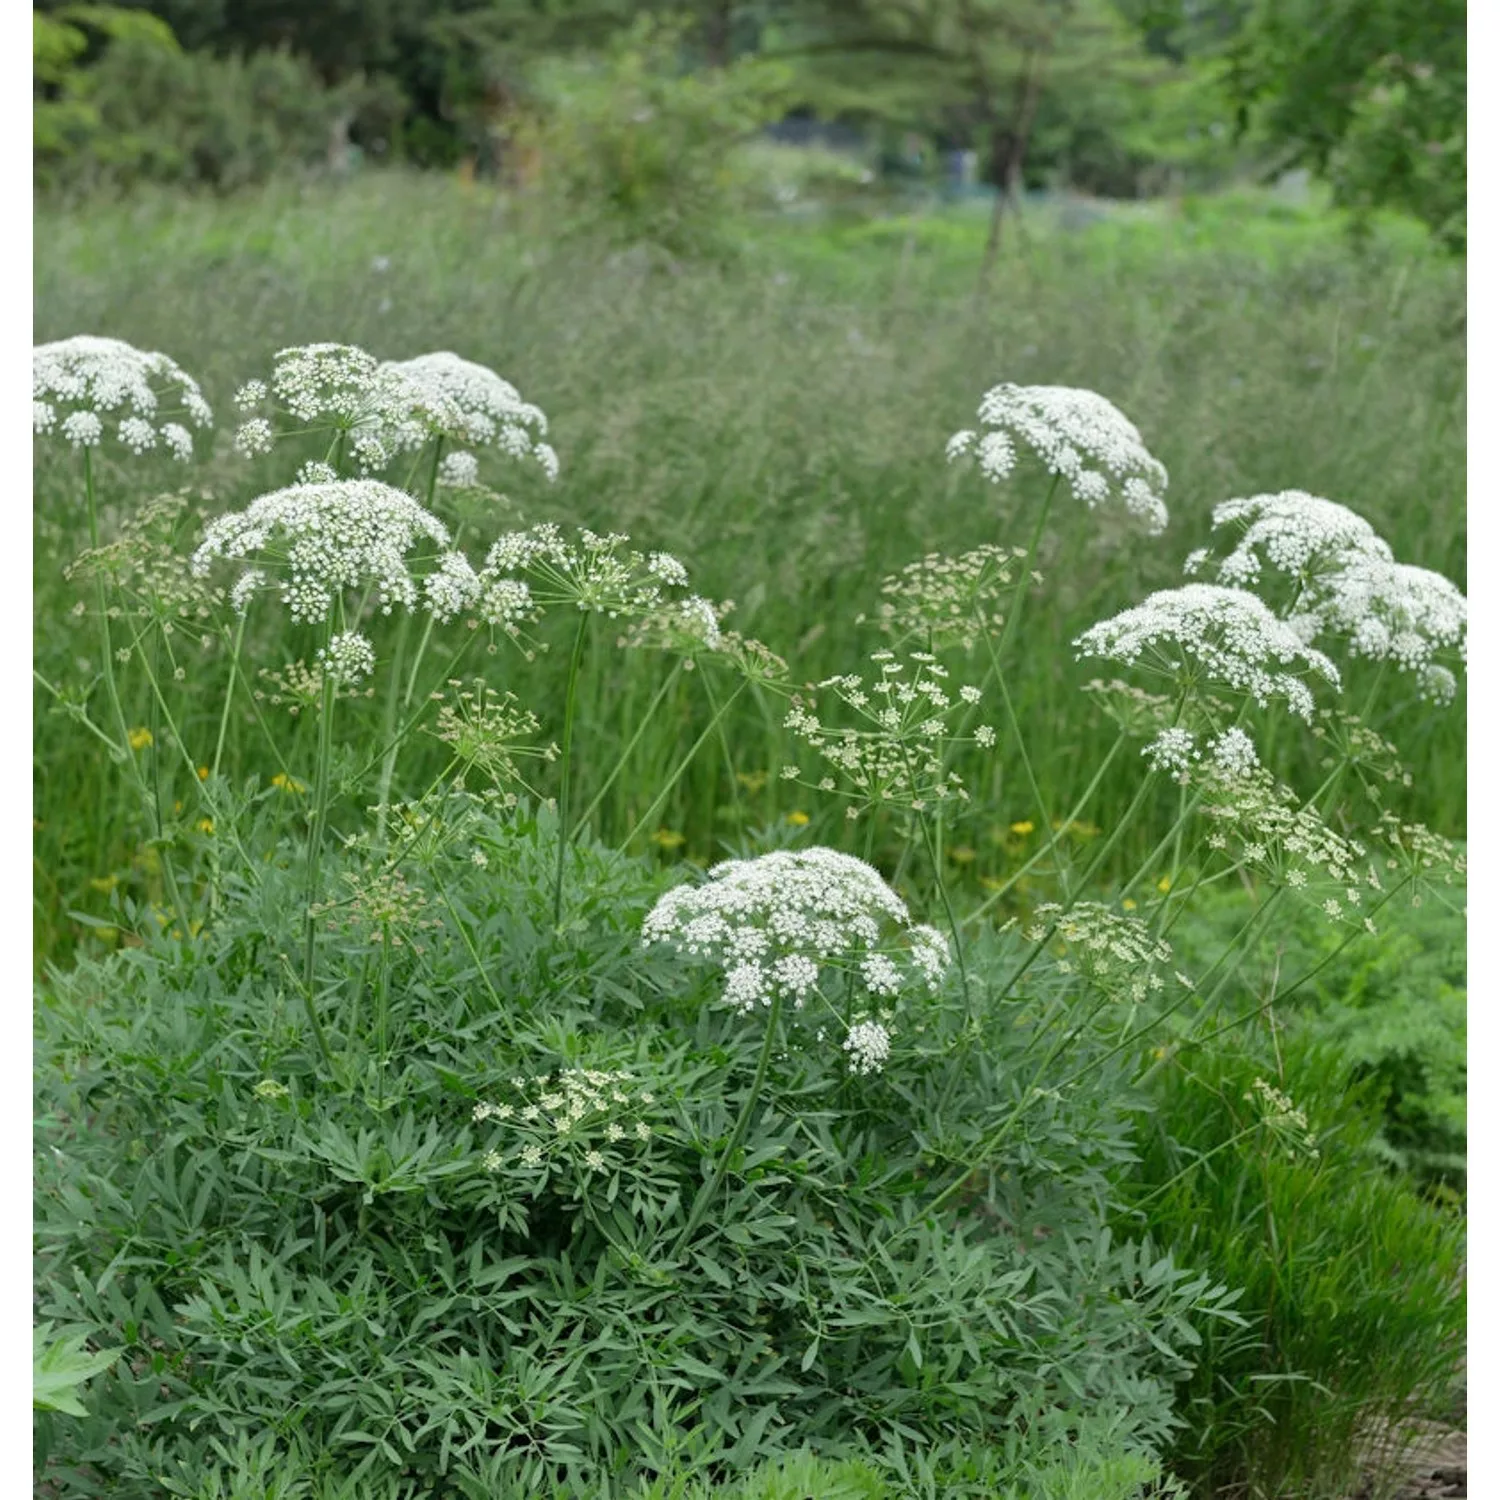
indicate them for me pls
(1369, 93)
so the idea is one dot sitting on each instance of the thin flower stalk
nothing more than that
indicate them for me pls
(570, 704)
(651, 813)
(709, 1191)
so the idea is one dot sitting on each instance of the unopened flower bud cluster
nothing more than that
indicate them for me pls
(1114, 950)
(578, 1120)
(939, 602)
(1285, 1123)
(897, 756)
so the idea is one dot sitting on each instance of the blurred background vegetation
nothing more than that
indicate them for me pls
(658, 118)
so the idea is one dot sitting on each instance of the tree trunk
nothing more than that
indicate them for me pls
(1007, 156)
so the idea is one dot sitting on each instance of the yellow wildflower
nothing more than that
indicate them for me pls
(798, 819)
(203, 773)
(1128, 903)
(1164, 884)
(205, 825)
(288, 783)
(139, 738)
(668, 838)
(1023, 828)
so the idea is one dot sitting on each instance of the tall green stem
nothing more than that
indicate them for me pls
(1018, 594)
(625, 754)
(935, 856)
(704, 1200)
(314, 862)
(403, 630)
(682, 765)
(575, 662)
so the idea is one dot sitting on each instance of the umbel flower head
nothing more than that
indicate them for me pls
(897, 755)
(80, 384)
(1393, 612)
(1115, 951)
(314, 541)
(469, 403)
(1203, 630)
(776, 923)
(337, 388)
(941, 601)
(1294, 533)
(1079, 436)
(590, 572)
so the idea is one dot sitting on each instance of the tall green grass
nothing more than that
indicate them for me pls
(778, 422)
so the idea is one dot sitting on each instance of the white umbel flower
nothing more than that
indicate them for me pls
(1234, 754)
(1173, 750)
(314, 541)
(1297, 534)
(868, 1045)
(1078, 435)
(79, 383)
(1204, 630)
(775, 923)
(1394, 612)
(347, 658)
(337, 388)
(470, 403)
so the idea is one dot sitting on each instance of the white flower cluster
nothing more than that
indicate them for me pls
(1394, 612)
(1348, 585)
(469, 403)
(78, 383)
(338, 388)
(459, 470)
(940, 601)
(591, 572)
(1115, 951)
(897, 759)
(1298, 534)
(1175, 751)
(775, 923)
(387, 409)
(869, 1046)
(321, 539)
(1225, 634)
(347, 658)
(1077, 434)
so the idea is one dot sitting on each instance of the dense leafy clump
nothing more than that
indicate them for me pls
(428, 1275)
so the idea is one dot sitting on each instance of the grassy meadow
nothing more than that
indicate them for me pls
(377, 1153)
(779, 424)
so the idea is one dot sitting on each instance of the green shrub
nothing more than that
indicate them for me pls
(634, 150)
(332, 1267)
(146, 111)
